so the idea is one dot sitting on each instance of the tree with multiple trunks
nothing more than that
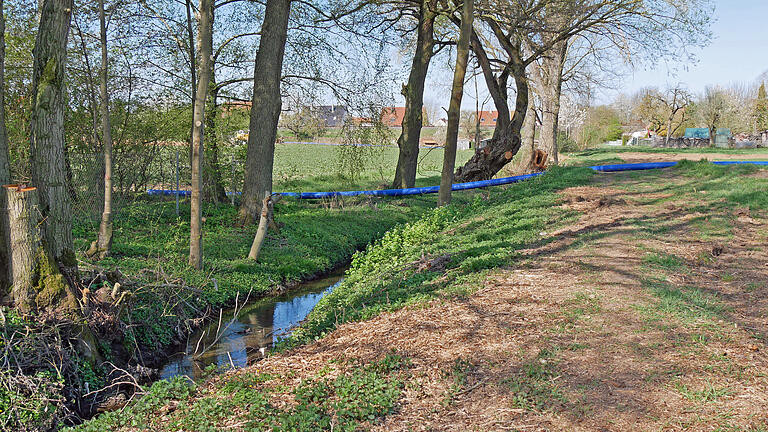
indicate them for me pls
(524, 33)
(664, 112)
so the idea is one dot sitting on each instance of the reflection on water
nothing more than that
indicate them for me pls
(258, 327)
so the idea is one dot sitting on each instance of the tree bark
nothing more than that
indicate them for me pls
(489, 160)
(265, 109)
(204, 34)
(528, 136)
(497, 86)
(5, 172)
(214, 187)
(408, 142)
(549, 81)
(454, 108)
(48, 153)
(104, 242)
(26, 240)
(37, 282)
(261, 232)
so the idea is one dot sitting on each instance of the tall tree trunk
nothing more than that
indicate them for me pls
(104, 243)
(204, 34)
(407, 160)
(26, 240)
(497, 87)
(192, 70)
(454, 109)
(49, 171)
(549, 82)
(214, 187)
(528, 135)
(5, 172)
(265, 109)
(506, 143)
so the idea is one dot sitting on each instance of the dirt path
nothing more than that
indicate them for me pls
(636, 157)
(630, 319)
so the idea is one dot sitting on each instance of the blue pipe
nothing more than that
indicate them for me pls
(741, 163)
(469, 185)
(633, 166)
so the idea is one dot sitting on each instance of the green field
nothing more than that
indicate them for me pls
(311, 167)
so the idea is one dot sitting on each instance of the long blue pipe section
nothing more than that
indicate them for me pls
(469, 185)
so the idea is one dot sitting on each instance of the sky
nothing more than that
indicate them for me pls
(738, 53)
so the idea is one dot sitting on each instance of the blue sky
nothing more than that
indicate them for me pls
(738, 53)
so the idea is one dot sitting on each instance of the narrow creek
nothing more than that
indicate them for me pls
(256, 329)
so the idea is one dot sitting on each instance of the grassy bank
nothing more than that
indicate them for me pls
(529, 306)
(162, 299)
(344, 397)
(447, 252)
(151, 248)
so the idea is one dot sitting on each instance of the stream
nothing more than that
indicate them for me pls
(256, 329)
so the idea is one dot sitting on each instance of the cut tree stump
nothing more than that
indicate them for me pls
(37, 282)
(26, 240)
(539, 161)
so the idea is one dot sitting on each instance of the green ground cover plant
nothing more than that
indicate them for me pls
(151, 246)
(354, 398)
(447, 252)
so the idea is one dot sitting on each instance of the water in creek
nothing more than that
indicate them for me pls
(257, 327)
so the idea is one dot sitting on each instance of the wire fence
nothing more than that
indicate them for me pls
(138, 169)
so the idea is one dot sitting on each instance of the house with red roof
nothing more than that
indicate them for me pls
(393, 116)
(488, 118)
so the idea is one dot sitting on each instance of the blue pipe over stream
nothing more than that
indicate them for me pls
(469, 185)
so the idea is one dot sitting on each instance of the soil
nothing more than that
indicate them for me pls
(576, 338)
(637, 157)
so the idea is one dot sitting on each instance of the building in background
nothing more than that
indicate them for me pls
(393, 116)
(331, 115)
(488, 118)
